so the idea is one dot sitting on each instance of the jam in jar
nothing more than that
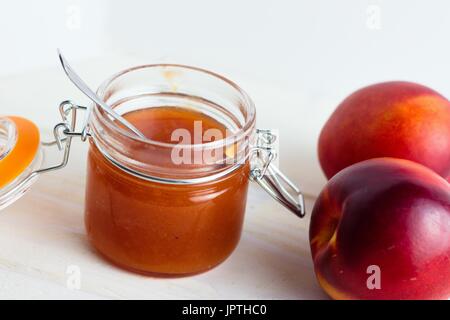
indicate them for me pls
(173, 203)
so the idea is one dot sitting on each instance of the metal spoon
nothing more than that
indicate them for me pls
(80, 84)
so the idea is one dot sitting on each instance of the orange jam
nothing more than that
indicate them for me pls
(162, 228)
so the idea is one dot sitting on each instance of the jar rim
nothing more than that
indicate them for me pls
(244, 131)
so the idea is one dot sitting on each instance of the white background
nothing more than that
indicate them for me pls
(320, 46)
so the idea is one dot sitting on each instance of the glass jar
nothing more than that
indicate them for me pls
(147, 213)
(147, 208)
(20, 157)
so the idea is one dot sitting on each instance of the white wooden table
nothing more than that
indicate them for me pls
(42, 236)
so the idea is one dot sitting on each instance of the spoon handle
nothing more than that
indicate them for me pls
(80, 84)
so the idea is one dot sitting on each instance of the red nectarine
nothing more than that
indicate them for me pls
(392, 119)
(384, 215)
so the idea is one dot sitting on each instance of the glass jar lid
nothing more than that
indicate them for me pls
(19, 157)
